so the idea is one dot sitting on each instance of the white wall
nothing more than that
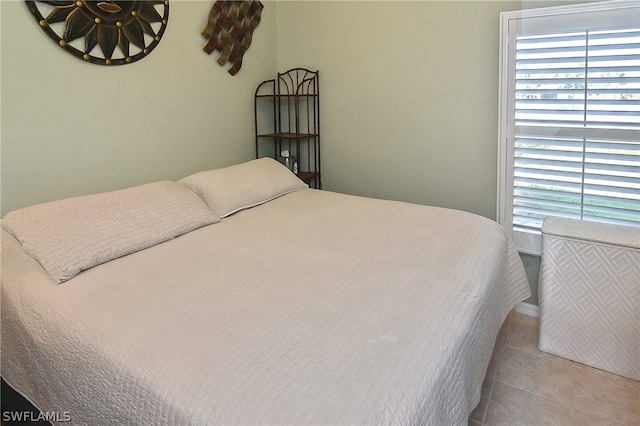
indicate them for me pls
(71, 128)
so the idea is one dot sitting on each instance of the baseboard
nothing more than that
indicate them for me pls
(528, 309)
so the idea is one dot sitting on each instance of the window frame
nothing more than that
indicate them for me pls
(526, 242)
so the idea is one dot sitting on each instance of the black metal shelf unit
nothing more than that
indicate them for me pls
(287, 120)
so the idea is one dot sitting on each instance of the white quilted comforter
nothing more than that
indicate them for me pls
(314, 308)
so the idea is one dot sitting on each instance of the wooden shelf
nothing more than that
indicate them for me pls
(287, 118)
(287, 135)
(287, 95)
(307, 176)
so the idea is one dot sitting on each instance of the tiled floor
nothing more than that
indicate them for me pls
(526, 386)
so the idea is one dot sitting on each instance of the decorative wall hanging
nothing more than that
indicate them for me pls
(230, 28)
(79, 26)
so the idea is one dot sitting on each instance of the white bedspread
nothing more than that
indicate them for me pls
(314, 308)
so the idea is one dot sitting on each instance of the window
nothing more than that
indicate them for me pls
(569, 117)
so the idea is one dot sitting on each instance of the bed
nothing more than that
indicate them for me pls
(241, 296)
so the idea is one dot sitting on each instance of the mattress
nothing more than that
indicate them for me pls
(312, 308)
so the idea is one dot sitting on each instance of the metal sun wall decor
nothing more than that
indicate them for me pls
(230, 29)
(106, 24)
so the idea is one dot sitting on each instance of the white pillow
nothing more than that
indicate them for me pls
(245, 185)
(71, 235)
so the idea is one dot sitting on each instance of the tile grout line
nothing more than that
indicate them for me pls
(571, 414)
(493, 382)
(534, 394)
(513, 329)
(526, 390)
(570, 405)
(573, 372)
(495, 373)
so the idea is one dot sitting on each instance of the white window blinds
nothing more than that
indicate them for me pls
(570, 113)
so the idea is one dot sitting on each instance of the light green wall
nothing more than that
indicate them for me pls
(71, 128)
(408, 96)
